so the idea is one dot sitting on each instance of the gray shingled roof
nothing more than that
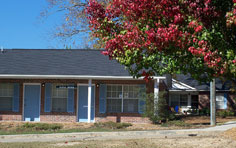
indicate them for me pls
(58, 62)
(187, 79)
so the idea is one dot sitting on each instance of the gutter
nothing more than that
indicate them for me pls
(73, 77)
(195, 90)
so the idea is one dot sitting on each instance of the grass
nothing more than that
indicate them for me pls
(85, 144)
(167, 142)
(51, 132)
(42, 126)
(186, 122)
(47, 128)
(112, 125)
(178, 123)
(231, 133)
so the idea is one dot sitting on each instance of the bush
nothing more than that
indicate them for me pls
(163, 112)
(176, 123)
(112, 125)
(225, 113)
(42, 126)
(204, 112)
(222, 114)
(231, 113)
(163, 109)
(193, 111)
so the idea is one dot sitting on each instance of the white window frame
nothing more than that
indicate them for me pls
(58, 97)
(179, 99)
(10, 94)
(131, 98)
(220, 99)
(115, 98)
(123, 95)
(184, 101)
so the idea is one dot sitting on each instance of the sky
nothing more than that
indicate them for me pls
(22, 27)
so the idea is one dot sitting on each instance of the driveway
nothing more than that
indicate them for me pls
(212, 131)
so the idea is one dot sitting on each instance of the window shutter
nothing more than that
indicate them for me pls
(142, 100)
(70, 100)
(102, 98)
(48, 96)
(16, 97)
(225, 100)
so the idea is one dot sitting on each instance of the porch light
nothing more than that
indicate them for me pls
(97, 85)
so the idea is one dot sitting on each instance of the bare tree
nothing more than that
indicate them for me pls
(74, 27)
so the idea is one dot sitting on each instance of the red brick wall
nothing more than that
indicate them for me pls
(58, 118)
(126, 119)
(10, 117)
(232, 101)
(71, 117)
(162, 86)
(115, 117)
(204, 100)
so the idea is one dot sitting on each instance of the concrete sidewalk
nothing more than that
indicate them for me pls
(117, 135)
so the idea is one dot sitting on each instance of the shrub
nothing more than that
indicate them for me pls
(222, 114)
(204, 112)
(163, 109)
(176, 123)
(112, 125)
(225, 113)
(42, 126)
(231, 113)
(162, 112)
(193, 111)
(28, 125)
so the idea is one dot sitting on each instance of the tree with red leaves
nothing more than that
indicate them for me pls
(155, 37)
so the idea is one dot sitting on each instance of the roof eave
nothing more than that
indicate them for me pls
(9, 76)
(195, 90)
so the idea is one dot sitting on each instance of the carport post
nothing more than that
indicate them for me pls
(213, 101)
(156, 95)
(89, 100)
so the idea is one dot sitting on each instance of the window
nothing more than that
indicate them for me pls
(123, 98)
(59, 98)
(174, 100)
(131, 98)
(183, 100)
(6, 96)
(114, 98)
(194, 101)
(220, 101)
(178, 100)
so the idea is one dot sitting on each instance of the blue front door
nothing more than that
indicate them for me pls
(83, 104)
(32, 102)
